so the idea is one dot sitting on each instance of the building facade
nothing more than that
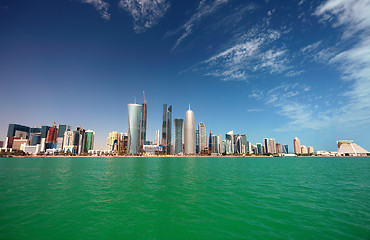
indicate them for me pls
(202, 138)
(189, 133)
(134, 124)
(297, 146)
(178, 122)
(167, 128)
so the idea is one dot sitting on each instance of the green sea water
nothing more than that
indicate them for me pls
(185, 198)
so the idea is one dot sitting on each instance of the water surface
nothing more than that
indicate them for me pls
(185, 198)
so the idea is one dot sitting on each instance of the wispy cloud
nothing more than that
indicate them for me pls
(255, 110)
(253, 54)
(101, 6)
(205, 8)
(146, 13)
(354, 62)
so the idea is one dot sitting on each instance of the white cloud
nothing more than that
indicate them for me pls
(204, 9)
(101, 7)
(253, 54)
(146, 13)
(354, 62)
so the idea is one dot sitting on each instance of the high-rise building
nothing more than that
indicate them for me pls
(297, 146)
(271, 146)
(61, 130)
(259, 148)
(166, 128)
(216, 143)
(284, 148)
(278, 148)
(189, 133)
(202, 137)
(16, 131)
(310, 150)
(244, 144)
(135, 112)
(35, 136)
(178, 122)
(210, 143)
(229, 148)
(197, 141)
(157, 138)
(143, 126)
(81, 139)
(123, 142)
(304, 149)
(69, 142)
(266, 145)
(89, 140)
(113, 141)
(44, 133)
(51, 138)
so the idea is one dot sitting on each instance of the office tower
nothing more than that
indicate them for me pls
(266, 145)
(61, 130)
(113, 141)
(278, 148)
(271, 145)
(69, 142)
(81, 139)
(229, 142)
(310, 150)
(238, 145)
(44, 133)
(16, 131)
(223, 146)
(202, 137)
(157, 138)
(210, 143)
(34, 136)
(285, 148)
(166, 129)
(297, 146)
(189, 133)
(178, 135)
(122, 142)
(143, 125)
(244, 144)
(89, 140)
(304, 149)
(51, 138)
(135, 112)
(197, 141)
(259, 148)
(216, 143)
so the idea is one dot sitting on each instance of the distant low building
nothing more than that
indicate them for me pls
(348, 148)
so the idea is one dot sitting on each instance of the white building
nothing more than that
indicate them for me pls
(348, 148)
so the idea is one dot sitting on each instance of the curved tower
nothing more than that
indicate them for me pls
(178, 134)
(189, 133)
(134, 128)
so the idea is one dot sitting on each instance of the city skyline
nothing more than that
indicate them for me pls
(267, 69)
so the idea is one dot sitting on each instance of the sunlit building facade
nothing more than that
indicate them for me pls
(178, 122)
(189, 133)
(167, 128)
(135, 112)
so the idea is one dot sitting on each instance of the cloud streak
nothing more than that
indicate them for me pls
(101, 6)
(205, 8)
(146, 13)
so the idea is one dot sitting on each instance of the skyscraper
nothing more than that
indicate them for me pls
(51, 138)
(297, 146)
(271, 146)
(89, 140)
(135, 112)
(216, 143)
(266, 145)
(285, 148)
(278, 148)
(178, 135)
(229, 142)
(202, 137)
(166, 128)
(113, 141)
(189, 133)
(259, 148)
(304, 149)
(210, 143)
(80, 139)
(61, 130)
(143, 125)
(157, 138)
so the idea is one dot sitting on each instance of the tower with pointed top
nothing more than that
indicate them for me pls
(189, 133)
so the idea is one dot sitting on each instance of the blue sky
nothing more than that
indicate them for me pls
(276, 69)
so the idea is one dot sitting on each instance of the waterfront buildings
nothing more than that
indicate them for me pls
(202, 138)
(51, 138)
(297, 146)
(189, 133)
(304, 149)
(166, 128)
(229, 144)
(278, 148)
(210, 145)
(259, 148)
(216, 143)
(135, 113)
(61, 130)
(310, 150)
(348, 148)
(178, 122)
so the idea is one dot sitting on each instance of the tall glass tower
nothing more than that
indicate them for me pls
(166, 128)
(135, 112)
(178, 134)
(189, 133)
